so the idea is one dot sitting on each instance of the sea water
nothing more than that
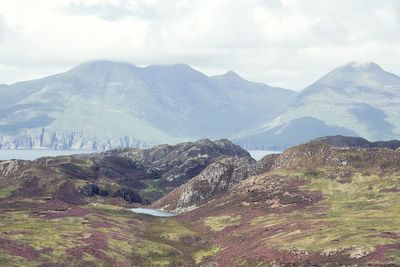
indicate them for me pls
(259, 154)
(7, 154)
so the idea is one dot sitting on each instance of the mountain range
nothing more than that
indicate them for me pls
(104, 104)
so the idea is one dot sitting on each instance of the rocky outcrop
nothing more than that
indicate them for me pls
(90, 190)
(339, 155)
(336, 152)
(356, 142)
(174, 165)
(218, 177)
(215, 180)
(135, 175)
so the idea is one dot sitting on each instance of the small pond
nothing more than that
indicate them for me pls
(154, 212)
(259, 154)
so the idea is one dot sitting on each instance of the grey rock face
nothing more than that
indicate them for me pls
(216, 179)
(174, 164)
(39, 139)
(136, 175)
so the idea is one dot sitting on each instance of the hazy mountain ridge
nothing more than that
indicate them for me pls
(105, 104)
(106, 100)
(355, 99)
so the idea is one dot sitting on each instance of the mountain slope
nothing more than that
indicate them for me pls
(255, 102)
(317, 205)
(218, 178)
(355, 99)
(332, 201)
(103, 104)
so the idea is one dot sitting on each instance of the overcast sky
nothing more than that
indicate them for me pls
(284, 43)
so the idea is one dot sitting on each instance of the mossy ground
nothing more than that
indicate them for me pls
(308, 212)
(218, 223)
(95, 235)
(355, 216)
(152, 190)
(200, 255)
(357, 221)
(6, 191)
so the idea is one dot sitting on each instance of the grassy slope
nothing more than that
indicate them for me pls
(339, 215)
(318, 206)
(36, 232)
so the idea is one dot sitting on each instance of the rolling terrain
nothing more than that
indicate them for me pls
(136, 175)
(330, 201)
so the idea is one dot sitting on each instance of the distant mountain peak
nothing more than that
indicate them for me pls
(367, 65)
(230, 76)
(231, 73)
(356, 74)
(177, 66)
(101, 66)
(103, 62)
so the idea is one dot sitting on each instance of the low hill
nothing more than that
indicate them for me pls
(327, 202)
(347, 141)
(136, 175)
(318, 204)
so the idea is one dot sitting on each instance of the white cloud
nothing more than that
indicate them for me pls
(285, 43)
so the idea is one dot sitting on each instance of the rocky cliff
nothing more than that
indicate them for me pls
(47, 139)
(215, 180)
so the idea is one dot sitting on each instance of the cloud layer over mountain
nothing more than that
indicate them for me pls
(284, 43)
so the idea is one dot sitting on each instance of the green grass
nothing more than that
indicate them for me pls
(201, 255)
(152, 191)
(352, 216)
(6, 191)
(357, 213)
(393, 256)
(43, 233)
(218, 223)
(10, 261)
(131, 238)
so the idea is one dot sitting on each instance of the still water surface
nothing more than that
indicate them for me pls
(259, 154)
(37, 153)
(154, 212)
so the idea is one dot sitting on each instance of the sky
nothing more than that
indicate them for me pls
(284, 43)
